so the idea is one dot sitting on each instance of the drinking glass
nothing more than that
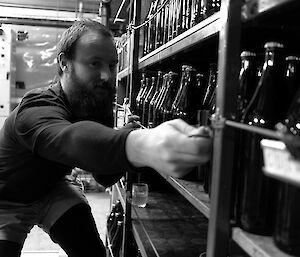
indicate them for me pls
(139, 194)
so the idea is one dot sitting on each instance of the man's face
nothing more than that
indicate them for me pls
(91, 79)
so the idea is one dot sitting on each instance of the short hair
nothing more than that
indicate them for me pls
(67, 43)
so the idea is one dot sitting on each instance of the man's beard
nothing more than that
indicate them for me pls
(91, 104)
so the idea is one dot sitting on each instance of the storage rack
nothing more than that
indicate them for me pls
(228, 30)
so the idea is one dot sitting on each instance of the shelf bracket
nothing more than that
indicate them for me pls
(217, 120)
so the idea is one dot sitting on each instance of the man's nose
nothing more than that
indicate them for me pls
(105, 74)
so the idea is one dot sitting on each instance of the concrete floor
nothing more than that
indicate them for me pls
(39, 244)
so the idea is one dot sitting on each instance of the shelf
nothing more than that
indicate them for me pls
(262, 131)
(123, 73)
(191, 190)
(255, 8)
(256, 245)
(169, 227)
(200, 32)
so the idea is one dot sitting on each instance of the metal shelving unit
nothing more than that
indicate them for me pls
(225, 28)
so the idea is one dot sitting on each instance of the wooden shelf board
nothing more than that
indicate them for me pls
(169, 227)
(256, 245)
(200, 32)
(193, 191)
(123, 73)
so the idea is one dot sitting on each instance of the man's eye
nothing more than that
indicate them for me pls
(96, 64)
(113, 66)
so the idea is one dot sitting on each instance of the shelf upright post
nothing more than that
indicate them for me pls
(127, 219)
(219, 231)
(135, 12)
(134, 52)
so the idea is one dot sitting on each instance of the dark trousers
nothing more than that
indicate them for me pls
(75, 232)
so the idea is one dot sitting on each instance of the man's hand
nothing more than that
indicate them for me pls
(173, 147)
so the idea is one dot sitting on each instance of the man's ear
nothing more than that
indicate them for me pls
(63, 62)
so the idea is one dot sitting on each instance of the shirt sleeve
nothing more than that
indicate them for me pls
(89, 145)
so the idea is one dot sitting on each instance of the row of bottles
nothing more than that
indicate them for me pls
(114, 238)
(188, 95)
(114, 227)
(263, 205)
(170, 95)
(168, 19)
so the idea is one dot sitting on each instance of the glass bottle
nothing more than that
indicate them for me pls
(195, 12)
(185, 15)
(211, 87)
(248, 79)
(154, 98)
(146, 32)
(147, 100)
(158, 102)
(159, 25)
(172, 87)
(195, 94)
(166, 23)
(174, 18)
(143, 96)
(182, 88)
(259, 193)
(170, 20)
(140, 93)
(116, 241)
(292, 75)
(182, 108)
(152, 27)
(287, 226)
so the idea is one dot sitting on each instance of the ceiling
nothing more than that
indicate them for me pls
(60, 12)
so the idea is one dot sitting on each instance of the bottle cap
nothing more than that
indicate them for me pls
(292, 58)
(247, 54)
(273, 45)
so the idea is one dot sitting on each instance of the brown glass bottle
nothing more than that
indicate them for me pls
(143, 96)
(207, 105)
(157, 105)
(176, 112)
(146, 32)
(140, 93)
(287, 227)
(259, 193)
(195, 94)
(166, 23)
(152, 28)
(147, 100)
(182, 106)
(159, 24)
(211, 87)
(292, 75)
(166, 105)
(195, 12)
(248, 79)
(152, 102)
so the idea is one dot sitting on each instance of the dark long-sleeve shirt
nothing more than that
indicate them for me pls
(41, 142)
